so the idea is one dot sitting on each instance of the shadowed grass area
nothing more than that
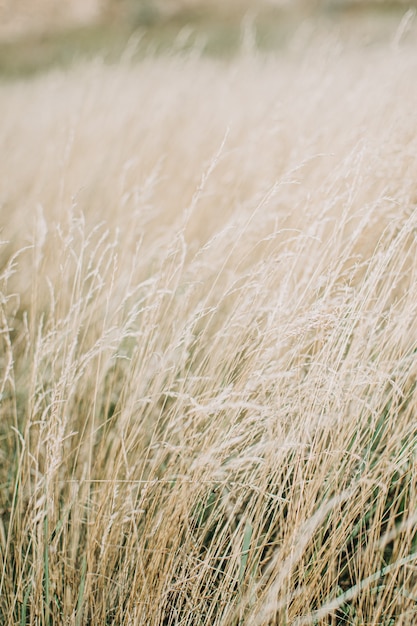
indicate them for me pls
(204, 31)
(33, 54)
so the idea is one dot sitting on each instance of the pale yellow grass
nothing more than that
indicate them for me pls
(208, 342)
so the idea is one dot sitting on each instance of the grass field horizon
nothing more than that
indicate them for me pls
(208, 339)
(216, 30)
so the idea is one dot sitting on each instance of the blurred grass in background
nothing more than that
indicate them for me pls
(35, 36)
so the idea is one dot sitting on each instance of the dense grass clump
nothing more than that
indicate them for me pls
(208, 342)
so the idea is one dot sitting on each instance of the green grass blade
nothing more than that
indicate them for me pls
(81, 592)
(245, 551)
(46, 573)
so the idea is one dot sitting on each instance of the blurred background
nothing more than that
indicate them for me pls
(36, 34)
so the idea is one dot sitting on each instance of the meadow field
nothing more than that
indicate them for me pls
(208, 301)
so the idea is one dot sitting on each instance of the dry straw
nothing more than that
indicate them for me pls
(208, 340)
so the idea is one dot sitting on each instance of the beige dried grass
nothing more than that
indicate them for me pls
(208, 342)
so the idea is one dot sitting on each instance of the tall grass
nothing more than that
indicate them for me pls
(208, 342)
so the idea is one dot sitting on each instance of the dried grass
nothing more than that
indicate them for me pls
(208, 329)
